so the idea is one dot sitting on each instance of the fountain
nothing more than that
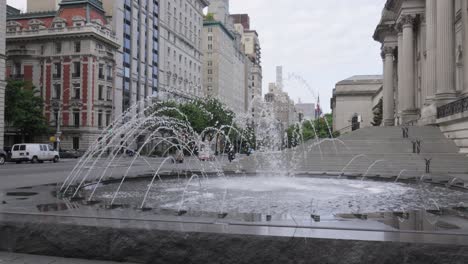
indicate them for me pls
(272, 192)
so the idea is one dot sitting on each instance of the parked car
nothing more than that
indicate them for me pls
(3, 157)
(34, 153)
(69, 154)
(205, 153)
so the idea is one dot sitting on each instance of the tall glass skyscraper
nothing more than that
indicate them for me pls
(136, 25)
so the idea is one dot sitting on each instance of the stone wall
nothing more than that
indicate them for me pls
(143, 245)
(455, 127)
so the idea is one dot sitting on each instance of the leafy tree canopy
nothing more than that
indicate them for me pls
(24, 109)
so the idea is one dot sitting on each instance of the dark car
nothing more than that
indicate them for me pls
(3, 157)
(70, 154)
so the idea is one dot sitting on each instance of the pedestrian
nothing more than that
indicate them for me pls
(428, 165)
(231, 154)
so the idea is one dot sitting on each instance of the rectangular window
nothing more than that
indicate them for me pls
(17, 70)
(58, 47)
(101, 71)
(57, 91)
(100, 119)
(76, 69)
(109, 93)
(76, 143)
(76, 118)
(57, 70)
(109, 73)
(76, 91)
(108, 118)
(101, 92)
(77, 46)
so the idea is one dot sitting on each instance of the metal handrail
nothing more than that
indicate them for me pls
(457, 107)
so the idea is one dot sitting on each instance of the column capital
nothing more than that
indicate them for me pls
(387, 51)
(422, 19)
(407, 21)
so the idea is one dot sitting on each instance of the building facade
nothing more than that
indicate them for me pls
(42, 5)
(305, 111)
(282, 105)
(3, 13)
(251, 46)
(68, 57)
(136, 27)
(354, 101)
(424, 51)
(181, 54)
(225, 66)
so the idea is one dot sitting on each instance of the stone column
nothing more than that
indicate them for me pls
(388, 96)
(445, 51)
(464, 13)
(399, 72)
(407, 70)
(431, 33)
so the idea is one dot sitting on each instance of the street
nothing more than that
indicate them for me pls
(26, 174)
(14, 175)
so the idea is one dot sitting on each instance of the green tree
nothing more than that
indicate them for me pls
(296, 133)
(23, 109)
(378, 113)
(209, 17)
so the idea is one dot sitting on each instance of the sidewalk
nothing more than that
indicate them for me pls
(13, 258)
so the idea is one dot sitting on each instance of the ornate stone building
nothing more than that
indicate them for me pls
(354, 102)
(425, 55)
(137, 59)
(225, 64)
(181, 52)
(68, 56)
(251, 45)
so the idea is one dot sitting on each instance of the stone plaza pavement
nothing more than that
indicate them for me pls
(13, 258)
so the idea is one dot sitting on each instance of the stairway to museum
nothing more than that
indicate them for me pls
(374, 151)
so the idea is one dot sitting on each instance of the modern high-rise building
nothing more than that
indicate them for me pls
(3, 10)
(280, 102)
(279, 77)
(180, 49)
(68, 56)
(135, 23)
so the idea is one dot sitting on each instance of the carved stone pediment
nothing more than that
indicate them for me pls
(97, 21)
(76, 104)
(58, 20)
(35, 22)
(13, 24)
(78, 19)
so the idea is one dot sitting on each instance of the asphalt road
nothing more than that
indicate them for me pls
(14, 175)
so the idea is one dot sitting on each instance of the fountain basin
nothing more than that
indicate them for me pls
(51, 226)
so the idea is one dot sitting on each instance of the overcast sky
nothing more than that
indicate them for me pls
(321, 41)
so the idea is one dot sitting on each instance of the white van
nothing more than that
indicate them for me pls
(34, 153)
